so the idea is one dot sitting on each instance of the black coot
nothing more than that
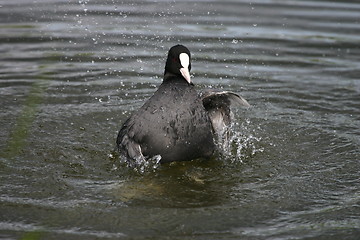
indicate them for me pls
(177, 123)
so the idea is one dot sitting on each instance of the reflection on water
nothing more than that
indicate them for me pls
(72, 72)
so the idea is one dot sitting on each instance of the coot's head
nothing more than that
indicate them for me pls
(178, 62)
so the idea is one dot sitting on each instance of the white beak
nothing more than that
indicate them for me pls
(184, 61)
(185, 73)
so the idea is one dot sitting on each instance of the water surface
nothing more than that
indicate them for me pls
(72, 71)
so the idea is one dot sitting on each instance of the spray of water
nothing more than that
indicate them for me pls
(238, 142)
(140, 165)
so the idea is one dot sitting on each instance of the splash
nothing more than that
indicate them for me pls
(238, 142)
(142, 165)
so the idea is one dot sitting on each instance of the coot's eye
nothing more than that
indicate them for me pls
(174, 59)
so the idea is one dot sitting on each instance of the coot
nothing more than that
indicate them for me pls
(177, 123)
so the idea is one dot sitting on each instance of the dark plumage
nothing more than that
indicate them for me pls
(177, 122)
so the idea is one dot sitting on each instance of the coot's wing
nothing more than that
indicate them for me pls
(128, 146)
(218, 105)
(225, 97)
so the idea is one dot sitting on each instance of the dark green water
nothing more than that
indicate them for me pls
(72, 71)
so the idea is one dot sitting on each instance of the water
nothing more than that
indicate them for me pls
(72, 71)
